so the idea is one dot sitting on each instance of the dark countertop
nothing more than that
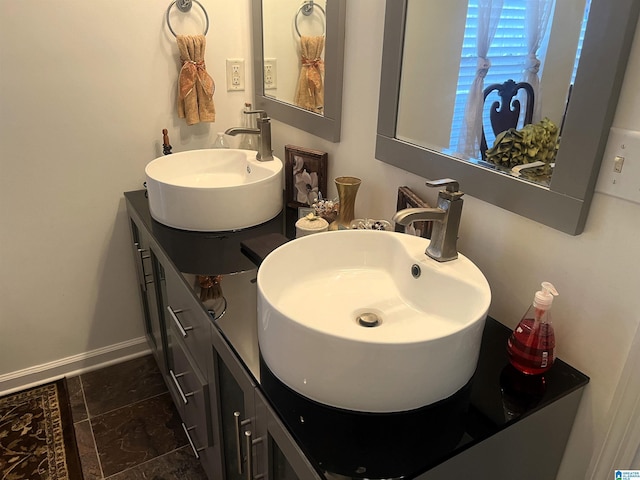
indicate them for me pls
(495, 398)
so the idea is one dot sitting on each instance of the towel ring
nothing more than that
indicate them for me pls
(307, 8)
(185, 6)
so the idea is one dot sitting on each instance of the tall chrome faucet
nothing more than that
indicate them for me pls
(263, 131)
(446, 220)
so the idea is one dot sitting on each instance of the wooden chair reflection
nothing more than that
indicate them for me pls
(504, 114)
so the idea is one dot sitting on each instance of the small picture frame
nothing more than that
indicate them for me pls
(407, 198)
(305, 175)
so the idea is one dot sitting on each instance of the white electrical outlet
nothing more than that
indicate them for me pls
(235, 74)
(270, 74)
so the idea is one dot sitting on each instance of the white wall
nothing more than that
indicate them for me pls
(86, 87)
(85, 91)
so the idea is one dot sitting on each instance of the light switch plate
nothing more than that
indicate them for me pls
(235, 74)
(620, 170)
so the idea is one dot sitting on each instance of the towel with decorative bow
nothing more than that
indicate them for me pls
(195, 86)
(310, 90)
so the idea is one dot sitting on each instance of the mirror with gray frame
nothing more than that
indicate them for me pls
(279, 28)
(421, 76)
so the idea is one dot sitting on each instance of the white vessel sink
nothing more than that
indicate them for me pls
(214, 189)
(312, 290)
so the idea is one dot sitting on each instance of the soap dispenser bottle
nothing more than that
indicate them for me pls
(248, 141)
(531, 345)
(221, 141)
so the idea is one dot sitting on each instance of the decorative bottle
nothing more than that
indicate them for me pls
(531, 345)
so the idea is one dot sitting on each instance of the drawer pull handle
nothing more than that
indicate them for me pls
(236, 418)
(250, 442)
(239, 423)
(183, 330)
(193, 445)
(183, 395)
(141, 265)
(141, 251)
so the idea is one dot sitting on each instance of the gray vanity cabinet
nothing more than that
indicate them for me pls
(177, 331)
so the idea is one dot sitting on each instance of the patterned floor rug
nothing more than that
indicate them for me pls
(37, 440)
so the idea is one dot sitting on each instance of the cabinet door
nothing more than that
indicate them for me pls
(255, 443)
(160, 280)
(144, 259)
(235, 391)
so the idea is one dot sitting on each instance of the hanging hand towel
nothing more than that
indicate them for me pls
(195, 86)
(310, 90)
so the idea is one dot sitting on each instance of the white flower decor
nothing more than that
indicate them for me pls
(306, 183)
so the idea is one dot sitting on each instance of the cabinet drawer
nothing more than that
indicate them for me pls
(188, 321)
(191, 394)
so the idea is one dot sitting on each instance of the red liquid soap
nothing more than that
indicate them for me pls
(531, 348)
(531, 345)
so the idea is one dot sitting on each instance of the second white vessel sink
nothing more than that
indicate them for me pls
(214, 189)
(364, 320)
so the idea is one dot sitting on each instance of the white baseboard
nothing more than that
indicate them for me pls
(73, 365)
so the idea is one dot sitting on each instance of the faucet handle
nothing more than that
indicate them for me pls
(451, 184)
(262, 113)
(452, 191)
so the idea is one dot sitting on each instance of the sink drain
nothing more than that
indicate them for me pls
(369, 319)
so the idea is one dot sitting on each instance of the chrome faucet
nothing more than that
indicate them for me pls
(445, 217)
(263, 132)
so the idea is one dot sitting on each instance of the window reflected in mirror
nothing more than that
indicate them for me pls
(489, 81)
(294, 49)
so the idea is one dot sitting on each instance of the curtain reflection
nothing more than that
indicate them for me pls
(537, 20)
(488, 17)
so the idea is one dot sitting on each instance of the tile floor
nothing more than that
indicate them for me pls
(127, 427)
